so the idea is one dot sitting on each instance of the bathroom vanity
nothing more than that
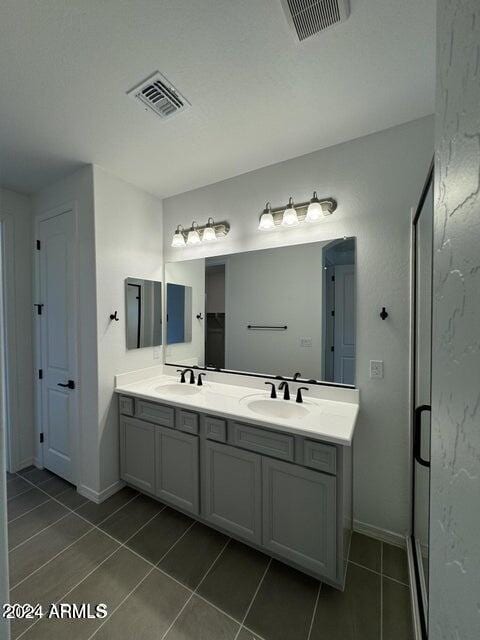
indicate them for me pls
(274, 474)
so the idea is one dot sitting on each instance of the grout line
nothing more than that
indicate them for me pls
(377, 573)
(38, 532)
(17, 495)
(314, 611)
(253, 599)
(194, 592)
(28, 511)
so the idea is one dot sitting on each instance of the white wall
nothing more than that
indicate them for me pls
(191, 274)
(454, 608)
(376, 179)
(277, 286)
(78, 188)
(15, 213)
(128, 243)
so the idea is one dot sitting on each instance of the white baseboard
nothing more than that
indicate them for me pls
(380, 534)
(97, 496)
(23, 464)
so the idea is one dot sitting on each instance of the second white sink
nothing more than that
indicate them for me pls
(179, 389)
(275, 408)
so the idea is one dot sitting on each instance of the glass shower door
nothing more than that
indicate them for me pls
(422, 354)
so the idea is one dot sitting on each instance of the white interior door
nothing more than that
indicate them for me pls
(344, 352)
(58, 338)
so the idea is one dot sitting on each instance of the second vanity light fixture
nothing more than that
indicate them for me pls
(294, 214)
(196, 235)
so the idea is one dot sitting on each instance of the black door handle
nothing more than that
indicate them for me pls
(70, 385)
(417, 434)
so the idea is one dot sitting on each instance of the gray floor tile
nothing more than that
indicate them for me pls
(283, 607)
(95, 513)
(395, 563)
(128, 520)
(201, 621)
(37, 476)
(71, 498)
(148, 611)
(25, 470)
(156, 538)
(60, 575)
(54, 486)
(44, 546)
(245, 634)
(191, 558)
(366, 551)
(34, 521)
(16, 486)
(397, 619)
(246, 566)
(24, 502)
(109, 584)
(353, 614)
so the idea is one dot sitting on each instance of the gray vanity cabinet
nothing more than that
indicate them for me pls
(177, 468)
(299, 515)
(137, 453)
(232, 490)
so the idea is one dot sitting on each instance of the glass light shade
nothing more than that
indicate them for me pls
(266, 221)
(193, 237)
(178, 239)
(290, 218)
(209, 234)
(314, 211)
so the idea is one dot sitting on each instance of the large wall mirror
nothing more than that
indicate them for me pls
(143, 301)
(271, 312)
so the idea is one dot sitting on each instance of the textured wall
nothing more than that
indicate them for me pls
(455, 511)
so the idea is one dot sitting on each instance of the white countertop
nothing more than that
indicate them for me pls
(327, 420)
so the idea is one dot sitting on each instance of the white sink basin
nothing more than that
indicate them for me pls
(275, 408)
(179, 389)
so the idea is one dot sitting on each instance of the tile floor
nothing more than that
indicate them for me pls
(165, 576)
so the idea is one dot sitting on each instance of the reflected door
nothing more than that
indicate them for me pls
(422, 355)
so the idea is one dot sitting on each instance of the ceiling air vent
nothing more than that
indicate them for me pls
(159, 95)
(309, 17)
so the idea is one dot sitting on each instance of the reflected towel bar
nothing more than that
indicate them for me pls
(268, 327)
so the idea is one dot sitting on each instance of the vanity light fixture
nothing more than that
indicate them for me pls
(209, 231)
(197, 235)
(311, 211)
(290, 218)
(178, 237)
(193, 235)
(266, 219)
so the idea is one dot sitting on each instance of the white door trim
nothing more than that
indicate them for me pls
(38, 356)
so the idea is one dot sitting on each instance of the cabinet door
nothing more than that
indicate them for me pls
(299, 515)
(177, 469)
(232, 490)
(137, 453)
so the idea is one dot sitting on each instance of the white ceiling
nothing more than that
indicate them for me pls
(257, 95)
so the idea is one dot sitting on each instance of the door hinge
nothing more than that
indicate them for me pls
(333, 278)
(333, 312)
(41, 438)
(38, 245)
(39, 308)
(40, 374)
(332, 348)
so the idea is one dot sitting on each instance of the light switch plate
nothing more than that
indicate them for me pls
(305, 342)
(376, 369)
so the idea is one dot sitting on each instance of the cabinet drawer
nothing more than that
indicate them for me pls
(126, 405)
(157, 413)
(270, 443)
(187, 421)
(322, 457)
(214, 428)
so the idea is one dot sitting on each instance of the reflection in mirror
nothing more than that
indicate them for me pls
(179, 313)
(273, 312)
(143, 300)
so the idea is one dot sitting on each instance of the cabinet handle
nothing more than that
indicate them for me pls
(417, 434)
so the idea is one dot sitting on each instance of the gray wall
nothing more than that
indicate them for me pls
(376, 179)
(455, 507)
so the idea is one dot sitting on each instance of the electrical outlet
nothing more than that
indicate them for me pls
(305, 342)
(376, 369)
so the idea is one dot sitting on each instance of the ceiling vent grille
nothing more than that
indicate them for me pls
(308, 17)
(159, 95)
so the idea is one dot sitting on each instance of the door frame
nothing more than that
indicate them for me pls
(37, 340)
(419, 615)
